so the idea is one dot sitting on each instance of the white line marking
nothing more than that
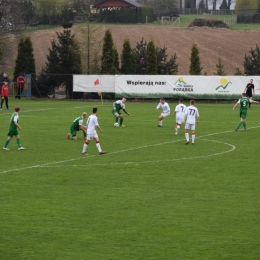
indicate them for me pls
(131, 149)
(116, 152)
(156, 161)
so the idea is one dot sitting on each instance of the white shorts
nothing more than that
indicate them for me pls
(179, 120)
(163, 114)
(92, 136)
(190, 126)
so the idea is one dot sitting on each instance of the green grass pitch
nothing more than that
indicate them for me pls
(151, 197)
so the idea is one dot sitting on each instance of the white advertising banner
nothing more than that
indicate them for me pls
(193, 86)
(94, 83)
(154, 86)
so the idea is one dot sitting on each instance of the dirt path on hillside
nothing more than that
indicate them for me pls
(229, 45)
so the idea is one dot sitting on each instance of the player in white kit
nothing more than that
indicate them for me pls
(92, 123)
(180, 113)
(191, 118)
(166, 111)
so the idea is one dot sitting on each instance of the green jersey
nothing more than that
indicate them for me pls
(14, 118)
(244, 102)
(76, 123)
(119, 105)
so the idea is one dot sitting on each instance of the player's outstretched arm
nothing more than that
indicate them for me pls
(235, 106)
(126, 112)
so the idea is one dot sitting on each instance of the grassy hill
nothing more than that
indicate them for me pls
(229, 44)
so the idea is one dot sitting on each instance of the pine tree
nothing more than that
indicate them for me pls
(166, 67)
(195, 68)
(2, 49)
(116, 59)
(171, 66)
(25, 62)
(252, 62)
(224, 5)
(202, 4)
(151, 66)
(108, 55)
(141, 57)
(128, 64)
(220, 68)
(64, 60)
(238, 72)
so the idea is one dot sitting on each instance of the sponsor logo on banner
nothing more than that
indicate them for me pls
(222, 88)
(181, 85)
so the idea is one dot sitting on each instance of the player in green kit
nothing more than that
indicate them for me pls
(244, 102)
(117, 106)
(13, 130)
(77, 125)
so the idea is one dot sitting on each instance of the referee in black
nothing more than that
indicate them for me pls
(250, 90)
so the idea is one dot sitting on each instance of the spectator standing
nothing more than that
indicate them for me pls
(20, 86)
(4, 94)
(4, 78)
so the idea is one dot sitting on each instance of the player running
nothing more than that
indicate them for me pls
(180, 113)
(117, 106)
(166, 110)
(244, 102)
(191, 117)
(92, 123)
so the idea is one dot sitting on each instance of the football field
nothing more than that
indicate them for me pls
(151, 197)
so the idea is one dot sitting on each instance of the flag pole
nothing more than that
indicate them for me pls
(97, 83)
(101, 98)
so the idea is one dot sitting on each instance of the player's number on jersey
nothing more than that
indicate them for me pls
(182, 108)
(244, 103)
(192, 112)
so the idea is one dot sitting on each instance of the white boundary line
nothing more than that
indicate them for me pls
(116, 152)
(44, 109)
(131, 149)
(156, 161)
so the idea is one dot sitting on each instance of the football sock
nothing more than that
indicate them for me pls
(71, 137)
(160, 122)
(7, 142)
(121, 121)
(193, 138)
(98, 147)
(18, 143)
(187, 137)
(239, 124)
(176, 130)
(244, 124)
(116, 119)
(84, 134)
(84, 148)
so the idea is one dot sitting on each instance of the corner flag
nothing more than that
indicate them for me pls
(96, 83)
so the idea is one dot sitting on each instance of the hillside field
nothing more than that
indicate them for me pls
(230, 45)
(150, 197)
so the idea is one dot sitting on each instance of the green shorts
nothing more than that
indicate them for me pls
(243, 113)
(13, 132)
(73, 132)
(115, 112)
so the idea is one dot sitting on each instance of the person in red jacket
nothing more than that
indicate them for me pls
(4, 94)
(20, 85)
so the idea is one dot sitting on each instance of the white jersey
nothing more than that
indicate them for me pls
(165, 107)
(119, 102)
(92, 123)
(191, 114)
(180, 110)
